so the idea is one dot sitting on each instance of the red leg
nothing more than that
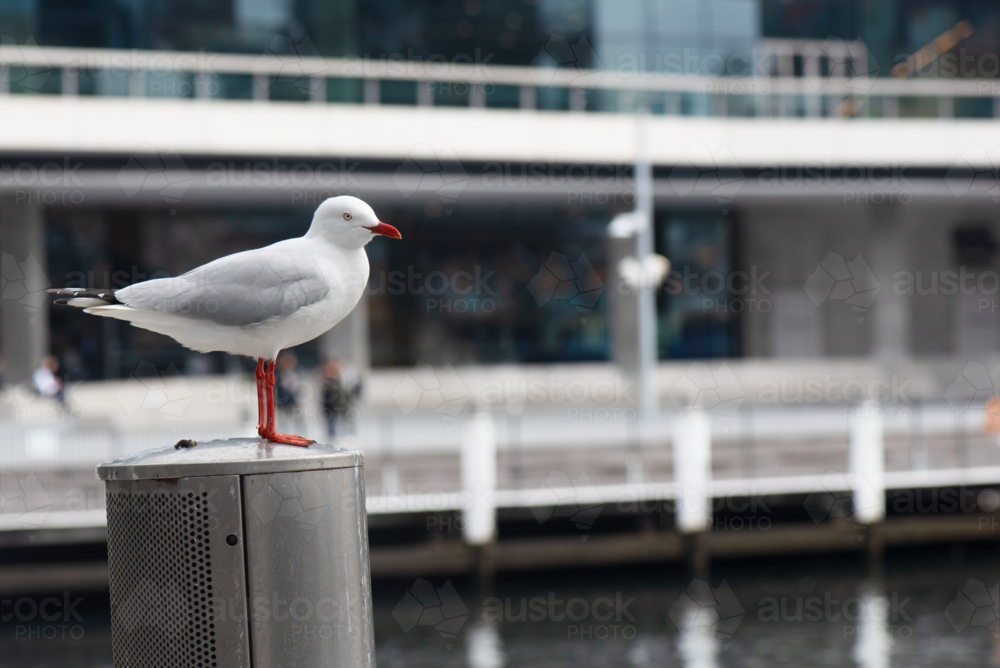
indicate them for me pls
(270, 432)
(269, 380)
(261, 402)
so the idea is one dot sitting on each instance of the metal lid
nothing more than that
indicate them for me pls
(234, 456)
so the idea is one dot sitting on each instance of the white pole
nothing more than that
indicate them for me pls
(867, 463)
(479, 478)
(644, 249)
(873, 632)
(692, 440)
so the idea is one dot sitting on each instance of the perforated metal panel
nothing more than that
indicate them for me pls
(176, 555)
(183, 570)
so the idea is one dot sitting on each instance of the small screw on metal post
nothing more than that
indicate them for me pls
(231, 539)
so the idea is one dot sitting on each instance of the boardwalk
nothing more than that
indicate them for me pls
(415, 464)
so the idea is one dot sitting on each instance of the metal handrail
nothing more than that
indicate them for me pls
(480, 75)
(461, 71)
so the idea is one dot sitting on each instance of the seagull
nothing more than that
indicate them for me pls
(258, 302)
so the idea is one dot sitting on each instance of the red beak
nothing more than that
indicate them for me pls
(386, 231)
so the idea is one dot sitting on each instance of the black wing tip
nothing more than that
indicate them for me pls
(83, 293)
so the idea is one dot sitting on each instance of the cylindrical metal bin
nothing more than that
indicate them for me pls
(239, 554)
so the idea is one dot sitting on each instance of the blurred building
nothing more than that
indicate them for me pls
(813, 204)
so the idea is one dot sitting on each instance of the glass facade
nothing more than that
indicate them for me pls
(505, 31)
(892, 29)
(653, 35)
(511, 255)
(698, 312)
(675, 36)
(475, 286)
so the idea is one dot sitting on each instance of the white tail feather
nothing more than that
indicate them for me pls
(86, 302)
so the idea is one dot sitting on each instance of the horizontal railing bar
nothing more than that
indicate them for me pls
(485, 73)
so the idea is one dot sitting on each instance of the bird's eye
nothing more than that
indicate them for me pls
(347, 216)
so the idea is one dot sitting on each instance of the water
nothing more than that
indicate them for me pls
(800, 612)
(932, 607)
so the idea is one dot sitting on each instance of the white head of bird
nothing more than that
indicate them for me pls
(348, 222)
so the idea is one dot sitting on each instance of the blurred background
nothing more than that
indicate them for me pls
(773, 386)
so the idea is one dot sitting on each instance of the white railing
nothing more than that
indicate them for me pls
(843, 91)
(486, 462)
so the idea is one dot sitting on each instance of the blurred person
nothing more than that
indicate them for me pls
(72, 366)
(45, 381)
(340, 388)
(286, 379)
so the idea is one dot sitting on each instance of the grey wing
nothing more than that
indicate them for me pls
(236, 291)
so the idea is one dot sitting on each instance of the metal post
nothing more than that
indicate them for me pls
(529, 97)
(867, 464)
(692, 448)
(479, 478)
(425, 94)
(673, 104)
(720, 105)
(946, 107)
(136, 84)
(203, 86)
(810, 66)
(477, 96)
(24, 316)
(644, 249)
(373, 91)
(890, 106)
(261, 87)
(317, 89)
(70, 81)
(202, 539)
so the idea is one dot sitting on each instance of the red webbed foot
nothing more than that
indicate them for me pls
(285, 439)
